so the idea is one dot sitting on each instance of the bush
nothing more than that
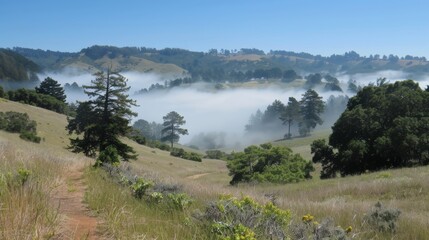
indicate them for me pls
(268, 163)
(158, 144)
(139, 139)
(180, 152)
(140, 187)
(16, 122)
(30, 136)
(227, 214)
(31, 97)
(179, 201)
(310, 229)
(215, 154)
(383, 219)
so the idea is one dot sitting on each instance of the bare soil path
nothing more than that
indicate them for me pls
(78, 222)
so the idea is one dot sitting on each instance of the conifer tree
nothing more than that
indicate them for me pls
(171, 131)
(104, 118)
(51, 87)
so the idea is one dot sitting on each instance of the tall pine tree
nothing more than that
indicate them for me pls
(171, 131)
(104, 118)
(312, 106)
(51, 87)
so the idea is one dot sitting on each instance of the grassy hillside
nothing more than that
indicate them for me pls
(345, 200)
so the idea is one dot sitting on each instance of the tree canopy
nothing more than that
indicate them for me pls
(384, 126)
(291, 114)
(51, 87)
(172, 130)
(312, 106)
(104, 118)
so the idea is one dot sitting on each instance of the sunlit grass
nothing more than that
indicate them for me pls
(346, 200)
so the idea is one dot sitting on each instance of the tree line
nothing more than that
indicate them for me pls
(304, 114)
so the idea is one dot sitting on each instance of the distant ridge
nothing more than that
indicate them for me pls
(217, 65)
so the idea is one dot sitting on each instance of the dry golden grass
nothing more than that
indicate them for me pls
(346, 200)
(29, 210)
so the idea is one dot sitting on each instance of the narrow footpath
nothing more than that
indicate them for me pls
(78, 222)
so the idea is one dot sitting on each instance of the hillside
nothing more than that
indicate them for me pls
(345, 200)
(14, 67)
(223, 65)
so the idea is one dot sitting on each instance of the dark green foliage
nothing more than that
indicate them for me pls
(158, 144)
(150, 131)
(313, 80)
(384, 126)
(103, 119)
(312, 106)
(30, 136)
(140, 139)
(108, 155)
(15, 67)
(180, 152)
(52, 88)
(291, 115)
(215, 154)
(19, 123)
(269, 163)
(2, 93)
(221, 65)
(31, 97)
(172, 131)
(289, 76)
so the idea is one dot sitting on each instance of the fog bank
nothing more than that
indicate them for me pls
(222, 113)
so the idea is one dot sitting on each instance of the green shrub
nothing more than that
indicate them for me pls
(179, 201)
(16, 122)
(30, 136)
(139, 139)
(268, 163)
(180, 152)
(242, 233)
(177, 152)
(215, 154)
(158, 144)
(140, 187)
(383, 219)
(156, 197)
(226, 215)
(23, 175)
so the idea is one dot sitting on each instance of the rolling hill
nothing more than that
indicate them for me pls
(219, 66)
(345, 200)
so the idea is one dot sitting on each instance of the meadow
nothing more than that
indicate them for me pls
(29, 208)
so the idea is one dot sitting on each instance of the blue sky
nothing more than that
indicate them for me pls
(319, 26)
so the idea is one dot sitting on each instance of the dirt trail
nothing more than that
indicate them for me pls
(78, 222)
(196, 176)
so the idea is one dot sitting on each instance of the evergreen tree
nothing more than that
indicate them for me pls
(171, 131)
(311, 107)
(51, 87)
(291, 114)
(104, 118)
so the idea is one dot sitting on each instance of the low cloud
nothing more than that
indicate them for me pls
(225, 112)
